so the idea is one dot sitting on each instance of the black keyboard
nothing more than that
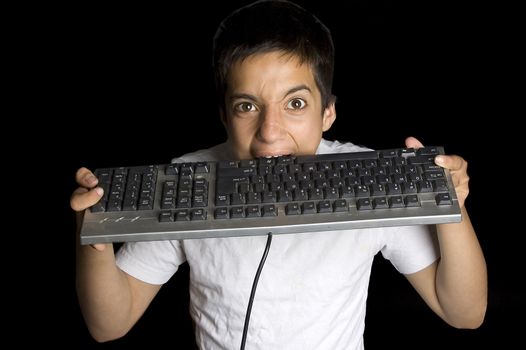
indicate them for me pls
(280, 195)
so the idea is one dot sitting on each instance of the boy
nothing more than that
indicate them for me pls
(273, 64)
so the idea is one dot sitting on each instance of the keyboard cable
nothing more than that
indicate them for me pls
(253, 292)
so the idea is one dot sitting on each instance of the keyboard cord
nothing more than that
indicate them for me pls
(253, 292)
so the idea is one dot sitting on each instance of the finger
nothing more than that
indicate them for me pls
(99, 246)
(412, 142)
(85, 178)
(451, 162)
(83, 198)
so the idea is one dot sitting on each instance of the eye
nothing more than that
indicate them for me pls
(245, 107)
(296, 103)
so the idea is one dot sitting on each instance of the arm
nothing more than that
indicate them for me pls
(455, 287)
(111, 300)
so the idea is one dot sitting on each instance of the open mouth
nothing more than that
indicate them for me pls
(271, 154)
(275, 155)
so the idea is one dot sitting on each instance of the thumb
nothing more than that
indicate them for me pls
(99, 246)
(412, 142)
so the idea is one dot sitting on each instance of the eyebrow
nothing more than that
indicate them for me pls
(290, 91)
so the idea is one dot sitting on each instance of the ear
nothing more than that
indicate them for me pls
(329, 116)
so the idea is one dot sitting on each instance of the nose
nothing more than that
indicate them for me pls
(271, 127)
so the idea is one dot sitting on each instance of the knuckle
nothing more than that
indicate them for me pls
(77, 199)
(81, 171)
(81, 174)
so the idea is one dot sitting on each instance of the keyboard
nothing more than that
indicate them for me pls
(282, 195)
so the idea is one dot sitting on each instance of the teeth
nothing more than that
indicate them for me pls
(276, 156)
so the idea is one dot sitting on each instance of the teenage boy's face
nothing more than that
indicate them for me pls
(273, 107)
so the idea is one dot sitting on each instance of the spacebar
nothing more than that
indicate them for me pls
(337, 156)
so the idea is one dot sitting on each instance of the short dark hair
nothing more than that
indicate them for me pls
(274, 25)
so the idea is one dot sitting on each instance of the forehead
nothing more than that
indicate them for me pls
(274, 68)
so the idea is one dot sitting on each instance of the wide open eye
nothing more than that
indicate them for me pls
(245, 107)
(296, 103)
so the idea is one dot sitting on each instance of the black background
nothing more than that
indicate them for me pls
(135, 87)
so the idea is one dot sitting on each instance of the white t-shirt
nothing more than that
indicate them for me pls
(313, 287)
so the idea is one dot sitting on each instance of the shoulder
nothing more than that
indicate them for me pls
(327, 146)
(217, 152)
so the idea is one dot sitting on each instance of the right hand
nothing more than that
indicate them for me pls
(85, 196)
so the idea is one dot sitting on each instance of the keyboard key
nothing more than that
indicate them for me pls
(269, 210)
(253, 211)
(324, 207)
(221, 213)
(293, 209)
(166, 216)
(308, 208)
(364, 204)
(411, 201)
(443, 199)
(340, 205)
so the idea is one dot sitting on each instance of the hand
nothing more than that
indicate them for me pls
(85, 196)
(457, 167)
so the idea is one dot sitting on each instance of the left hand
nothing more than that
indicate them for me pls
(458, 168)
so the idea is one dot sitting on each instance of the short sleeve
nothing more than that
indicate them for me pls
(411, 248)
(151, 262)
